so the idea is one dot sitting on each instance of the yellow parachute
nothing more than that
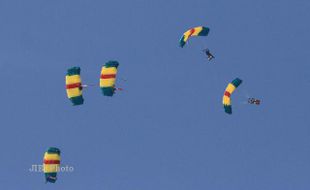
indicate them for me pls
(108, 78)
(231, 87)
(197, 31)
(74, 86)
(51, 164)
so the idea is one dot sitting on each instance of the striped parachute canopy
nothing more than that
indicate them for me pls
(107, 78)
(229, 90)
(51, 164)
(74, 86)
(197, 31)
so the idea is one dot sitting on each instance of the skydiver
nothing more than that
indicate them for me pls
(208, 53)
(50, 178)
(118, 89)
(254, 101)
(81, 87)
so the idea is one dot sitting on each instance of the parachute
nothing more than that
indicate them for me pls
(108, 78)
(229, 90)
(74, 86)
(51, 164)
(197, 31)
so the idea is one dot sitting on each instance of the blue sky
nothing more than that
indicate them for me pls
(167, 130)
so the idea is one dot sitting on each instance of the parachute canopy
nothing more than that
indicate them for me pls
(197, 31)
(74, 86)
(108, 78)
(51, 164)
(229, 90)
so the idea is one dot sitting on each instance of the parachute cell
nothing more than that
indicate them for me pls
(108, 78)
(197, 31)
(74, 86)
(229, 90)
(51, 164)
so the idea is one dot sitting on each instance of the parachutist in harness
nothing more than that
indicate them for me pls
(82, 86)
(254, 101)
(117, 89)
(208, 53)
(50, 179)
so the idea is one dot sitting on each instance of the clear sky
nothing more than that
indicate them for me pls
(167, 130)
